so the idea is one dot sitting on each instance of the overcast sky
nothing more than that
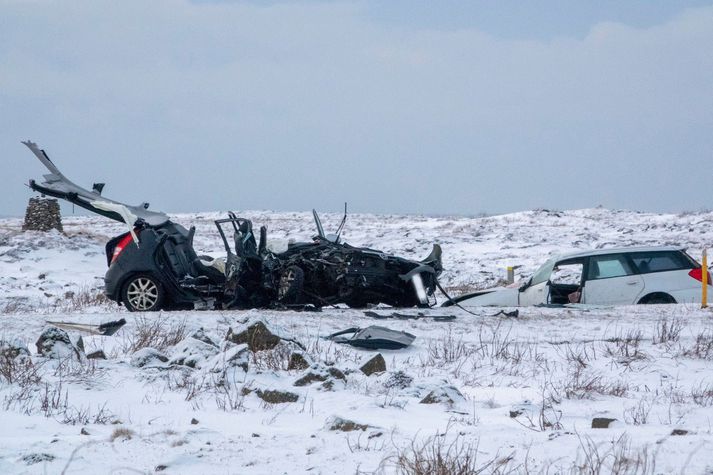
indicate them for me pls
(394, 106)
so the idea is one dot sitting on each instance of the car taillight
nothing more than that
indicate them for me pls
(698, 275)
(120, 247)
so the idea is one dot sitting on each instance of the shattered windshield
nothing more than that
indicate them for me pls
(543, 273)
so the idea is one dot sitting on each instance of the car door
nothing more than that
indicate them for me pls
(534, 295)
(611, 280)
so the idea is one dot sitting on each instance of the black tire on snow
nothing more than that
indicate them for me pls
(143, 293)
(291, 284)
(657, 299)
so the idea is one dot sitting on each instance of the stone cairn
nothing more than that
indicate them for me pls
(42, 215)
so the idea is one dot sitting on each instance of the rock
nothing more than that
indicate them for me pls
(344, 425)
(321, 373)
(192, 353)
(55, 343)
(255, 334)
(602, 422)
(232, 364)
(201, 335)
(78, 343)
(374, 365)
(96, 355)
(147, 357)
(398, 379)
(42, 214)
(9, 350)
(194, 421)
(444, 395)
(84, 431)
(277, 397)
(679, 432)
(298, 361)
(31, 459)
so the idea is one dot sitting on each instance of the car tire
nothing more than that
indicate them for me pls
(143, 293)
(657, 299)
(291, 283)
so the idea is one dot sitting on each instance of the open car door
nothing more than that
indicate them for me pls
(59, 186)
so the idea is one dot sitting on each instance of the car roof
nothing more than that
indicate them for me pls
(617, 250)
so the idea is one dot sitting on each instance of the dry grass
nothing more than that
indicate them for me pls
(155, 331)
(435, 456)
(616, 458)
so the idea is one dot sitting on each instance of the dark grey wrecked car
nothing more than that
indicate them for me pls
(153, 265)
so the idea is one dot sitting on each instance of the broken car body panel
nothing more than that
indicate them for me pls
(59, 186)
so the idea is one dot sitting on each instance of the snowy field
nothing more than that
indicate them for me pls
(490, 393)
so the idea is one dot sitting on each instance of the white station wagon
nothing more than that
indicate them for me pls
(623, 276)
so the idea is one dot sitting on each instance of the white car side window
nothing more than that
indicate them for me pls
(608, 266)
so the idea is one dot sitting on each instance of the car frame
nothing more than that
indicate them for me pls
(613, 276)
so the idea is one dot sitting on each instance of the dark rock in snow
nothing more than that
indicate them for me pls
(277, 397)
(201, 335)
(84, 431)
(31, 459)
(96, 355)
(237, 356)
(398, 379)
(55, 343)
(446, 395)
(374, 365)
(255, 334)
(148, 357)
(194, 421)
(318, 372)
(602, 422)
(345, 425)
(192, 353)
(298, 361)
(679, 432)
(9, 350)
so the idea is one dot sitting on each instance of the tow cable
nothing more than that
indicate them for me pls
(513, 314)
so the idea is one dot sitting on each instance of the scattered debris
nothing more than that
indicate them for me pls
(374, 338)
(403, 316)
(105, 329)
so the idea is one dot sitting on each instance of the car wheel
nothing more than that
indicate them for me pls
(657, 299)
(290, 287)
(143, 293)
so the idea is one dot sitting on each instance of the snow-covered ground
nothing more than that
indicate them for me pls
(517, 395)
